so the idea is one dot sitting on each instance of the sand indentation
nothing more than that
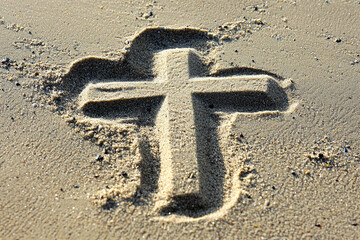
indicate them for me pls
(183, 100)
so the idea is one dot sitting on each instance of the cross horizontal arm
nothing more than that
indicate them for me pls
(113, 91)
(231, 84)
(246, 83)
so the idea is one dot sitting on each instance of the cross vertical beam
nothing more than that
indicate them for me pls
(178, 146)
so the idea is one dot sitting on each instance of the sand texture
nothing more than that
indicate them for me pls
(183, 120)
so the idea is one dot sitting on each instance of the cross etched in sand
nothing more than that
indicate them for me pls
(181, 119)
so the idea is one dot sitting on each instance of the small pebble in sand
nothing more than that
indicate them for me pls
(5, 60)
(318, 225)
(124, 174)
(99, 158)
(354, 62)
(338, 40)
(147, 15)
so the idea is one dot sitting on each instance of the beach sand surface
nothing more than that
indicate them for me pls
(279, 159)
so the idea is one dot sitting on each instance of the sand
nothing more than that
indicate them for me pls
(160, 119)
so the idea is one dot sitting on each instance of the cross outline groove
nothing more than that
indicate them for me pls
(181, 113)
